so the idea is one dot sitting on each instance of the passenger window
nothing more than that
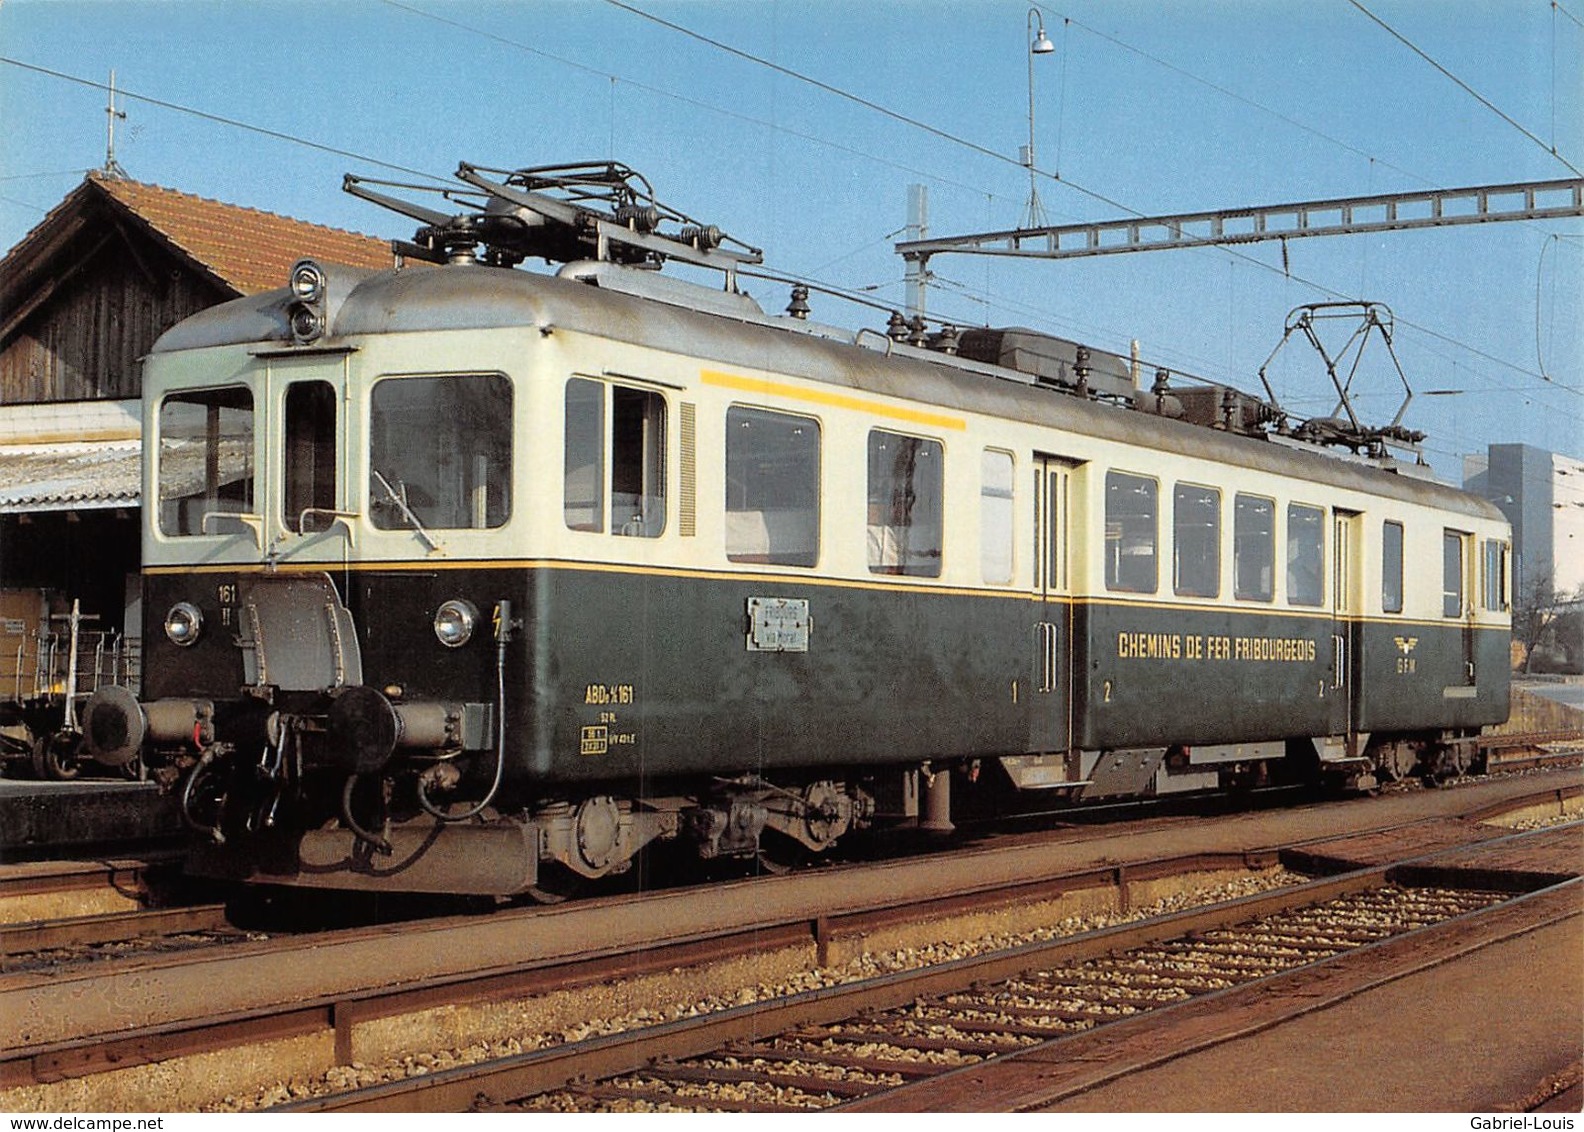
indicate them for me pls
(310, 456)
(1253, 548)
(1130, 532)
(1495, 575)
(1392, 567)
(772, 487)
(1196, 541)
(629, 455)
(440, 452)
(637, 462)
(1305, 555)
(1451, 574)
(205, 461)
(906, 484)
(996, 509)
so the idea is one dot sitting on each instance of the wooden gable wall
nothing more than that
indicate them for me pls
(91, 306)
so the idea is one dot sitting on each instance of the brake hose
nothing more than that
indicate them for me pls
(204, 761)
(374, 839)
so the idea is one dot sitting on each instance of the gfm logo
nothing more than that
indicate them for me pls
(1407, 663)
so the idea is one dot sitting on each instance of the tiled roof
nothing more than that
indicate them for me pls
(247, 249)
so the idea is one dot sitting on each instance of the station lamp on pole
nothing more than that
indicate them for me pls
(1039, 44)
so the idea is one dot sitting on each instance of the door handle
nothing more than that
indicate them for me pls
(1047, 652)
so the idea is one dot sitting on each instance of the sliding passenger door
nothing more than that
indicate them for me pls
(1050, 684)
(1458, 585)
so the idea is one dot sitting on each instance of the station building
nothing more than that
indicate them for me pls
(83, 296)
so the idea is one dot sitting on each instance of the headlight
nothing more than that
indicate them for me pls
(454, 622)
(306, 312)
(184, 623)
(307, 281)
(306, 324)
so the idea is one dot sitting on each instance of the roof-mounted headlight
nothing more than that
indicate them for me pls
(306, 324)
(184, 623)
(308, 284)
(307, 281)
(454, 623)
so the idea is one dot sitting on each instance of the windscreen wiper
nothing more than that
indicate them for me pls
(399, 498)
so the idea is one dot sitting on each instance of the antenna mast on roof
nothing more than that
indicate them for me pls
(112, 167)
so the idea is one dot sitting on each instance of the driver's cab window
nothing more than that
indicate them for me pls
(440, 452)
(205, 455)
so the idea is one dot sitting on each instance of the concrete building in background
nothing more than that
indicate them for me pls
(1542, 495)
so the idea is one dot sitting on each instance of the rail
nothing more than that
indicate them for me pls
(853, 1012)
(200, 1001)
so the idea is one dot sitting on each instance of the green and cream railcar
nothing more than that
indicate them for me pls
(461, 577)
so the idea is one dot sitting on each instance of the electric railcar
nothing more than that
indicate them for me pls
(462, 578)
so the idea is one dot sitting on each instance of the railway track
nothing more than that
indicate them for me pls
(853, 1045)
(879, 1050)
(52, 944)
(373, 992)
(47, 890)
(1505, 753)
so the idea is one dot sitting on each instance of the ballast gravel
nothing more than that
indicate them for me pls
(865, 966)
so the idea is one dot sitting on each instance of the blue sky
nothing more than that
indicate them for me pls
(1146, 106)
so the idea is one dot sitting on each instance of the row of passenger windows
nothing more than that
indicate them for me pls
(772, 466)
(440, 453)
(1132, 533)
(772, 508)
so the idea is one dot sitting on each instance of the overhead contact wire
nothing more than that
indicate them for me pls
(859, 100)
(235, 123)
(1476, 95)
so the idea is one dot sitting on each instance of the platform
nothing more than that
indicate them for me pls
(1515, 863)
(41, 819)
(1454, 854)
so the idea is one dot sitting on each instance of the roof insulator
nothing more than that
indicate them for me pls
(799, 306)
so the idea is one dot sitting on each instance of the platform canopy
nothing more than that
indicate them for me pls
(74, 456)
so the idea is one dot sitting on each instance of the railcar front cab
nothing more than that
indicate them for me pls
(328, 683)
(255, 661)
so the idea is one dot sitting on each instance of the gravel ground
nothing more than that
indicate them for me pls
(1523, 825)
(867, 965)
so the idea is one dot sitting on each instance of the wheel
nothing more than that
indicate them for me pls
(774, 864)
(556, 885)
(1396, 761)
(55, 756)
